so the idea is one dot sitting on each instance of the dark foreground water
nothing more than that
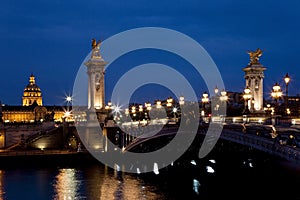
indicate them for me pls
(227, 174)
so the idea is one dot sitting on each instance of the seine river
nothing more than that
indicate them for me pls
(226, 174)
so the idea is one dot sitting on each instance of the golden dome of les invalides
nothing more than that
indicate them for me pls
(32, 93)
(32, 109)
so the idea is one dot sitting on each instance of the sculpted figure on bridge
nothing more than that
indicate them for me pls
(96, 49)
(254, 56)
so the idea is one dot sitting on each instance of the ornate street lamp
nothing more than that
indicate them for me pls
(216, 90)
(181, 100)
(223, 96)
(247, 96)
(169, 102)
(287, 79)
(158, 104)
(174, 110)
(276, 94)
(204, 100)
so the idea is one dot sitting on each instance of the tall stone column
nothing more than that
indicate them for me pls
(94, 136)
(95, 70)
(254, 75)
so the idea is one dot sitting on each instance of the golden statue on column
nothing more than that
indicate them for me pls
(254, 56)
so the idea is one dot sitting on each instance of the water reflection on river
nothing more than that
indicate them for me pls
(232, 176)
(99, 182)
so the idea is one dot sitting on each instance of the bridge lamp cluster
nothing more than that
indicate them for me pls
(276, 93)
(223, 96)
(148, 106)
(158, 104)
(169, 102)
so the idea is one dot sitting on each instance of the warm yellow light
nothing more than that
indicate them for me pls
(276, 87)
(170, 100)
(247, 90)
(205, 97)
(67, 114)
(158, 104)
(140, 108)
(287, 78)
(223, 93)
(133, 109)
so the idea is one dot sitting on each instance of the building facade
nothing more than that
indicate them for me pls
(33, 110)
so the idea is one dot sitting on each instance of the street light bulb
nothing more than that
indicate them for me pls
(216, 90)
(276, 87)
(174, 110)
(205, 95)
(287, 78)
(170, 100)
(68, 98)
(247, 90)
(223, 93)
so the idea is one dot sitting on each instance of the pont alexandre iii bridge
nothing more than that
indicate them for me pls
(278, 141)
(274, 140)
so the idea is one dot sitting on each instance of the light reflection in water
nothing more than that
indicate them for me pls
(66, 185)
(124, 186)
(100, 183)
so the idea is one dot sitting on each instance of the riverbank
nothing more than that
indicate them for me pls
(31, 158)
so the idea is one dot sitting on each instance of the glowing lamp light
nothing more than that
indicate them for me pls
(158, 104)
(68, 98)
(181, 100)
(287, 78)
(174, 110)
(67, 114)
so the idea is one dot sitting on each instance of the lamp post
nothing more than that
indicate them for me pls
(276, 94)
(68, 112)
(216, 90)
(169, 102)
(287, 79)
(181, 100)
(204, 100)
(174, 110)
(223, 99)
(148, 108)
(169, 105)
(247, 96)
(223, 96)
(216, 100)
(108, 109)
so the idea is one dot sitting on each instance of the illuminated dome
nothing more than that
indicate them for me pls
(32, 93)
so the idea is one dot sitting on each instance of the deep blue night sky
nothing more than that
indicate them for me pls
(51, 38)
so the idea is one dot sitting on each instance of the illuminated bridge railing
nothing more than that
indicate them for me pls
(269, 145)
